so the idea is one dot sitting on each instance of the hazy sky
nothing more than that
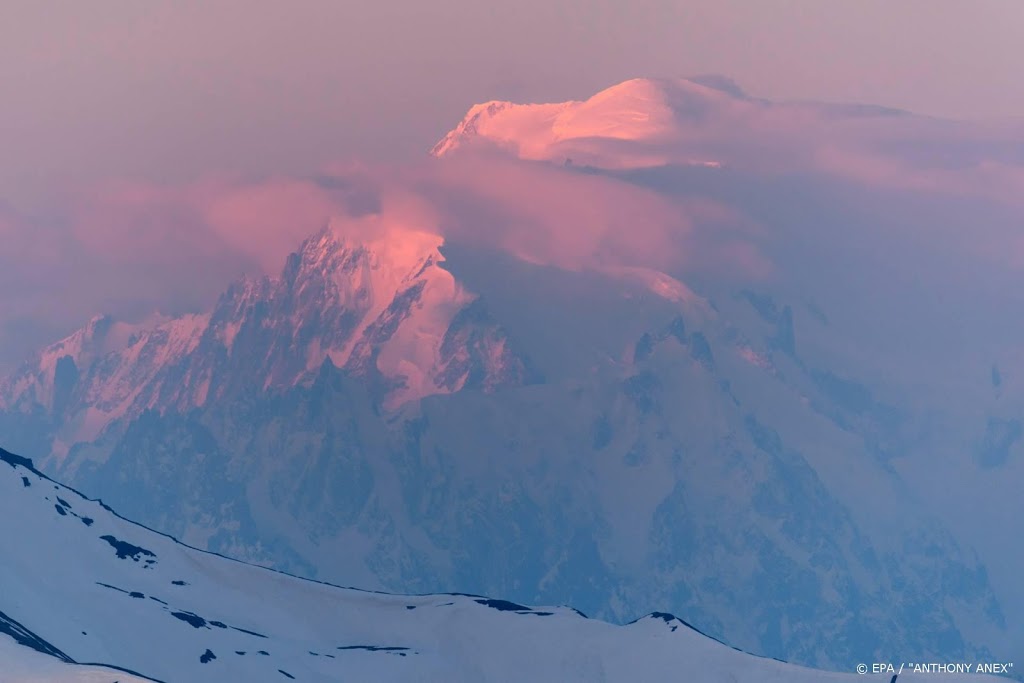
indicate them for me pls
(170, 89)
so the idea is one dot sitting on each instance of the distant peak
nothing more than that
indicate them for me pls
(641, 110)
(479, 122)
(323, 239)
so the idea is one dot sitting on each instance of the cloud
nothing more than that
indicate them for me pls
(555, 217)
(129, 247)
(648, 123)
(560, 217)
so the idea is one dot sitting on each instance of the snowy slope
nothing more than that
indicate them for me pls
(21, 664)
(81, 584)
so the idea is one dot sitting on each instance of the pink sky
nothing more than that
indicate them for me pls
(171, 89)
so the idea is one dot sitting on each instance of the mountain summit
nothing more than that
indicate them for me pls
(645, 122)
(641, 110)
(382, 308)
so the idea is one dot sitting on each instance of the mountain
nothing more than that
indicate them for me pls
(637, 111)
(644, 122)
(808, 459)
(273, 429)
(385, 310)
(82, 584)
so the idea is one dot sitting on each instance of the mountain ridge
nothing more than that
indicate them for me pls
(651, 432)
(131, 569)
(385, 309)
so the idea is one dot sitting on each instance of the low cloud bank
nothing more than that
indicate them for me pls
(129, 248)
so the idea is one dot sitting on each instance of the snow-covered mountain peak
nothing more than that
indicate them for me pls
(640, 109)
(391, 289)
(104, 365)
(521, 128)
(637, 110)
(378, 304)
(395, 254)
(704, 121)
